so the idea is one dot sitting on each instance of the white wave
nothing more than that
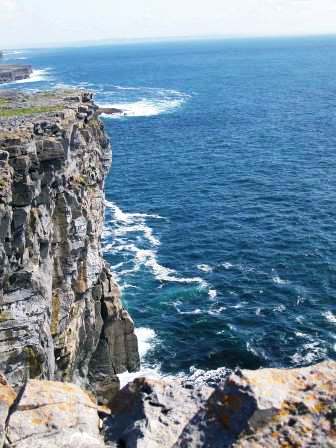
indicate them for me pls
(131, 223)
(301, 335)
(147, 231)
(279, 281)
(239, 305)
(330, 317)
(148, 258)
(192, 312)
(36, 76)
(143, 107)
(128, 286)
(162, 273)
(142, 101)
(117, 266)
(119, 215)
(159, 92)
(146, 337)
(199, 377)
(309, 353)
(212, 294)
(126, 223)
(12, 52)
(204, 267)
(148, 372)
(227, 265)
(217, 312)
(300, 300)
(279, 308)
(251, 349)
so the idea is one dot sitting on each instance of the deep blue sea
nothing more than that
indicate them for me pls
(221, 201)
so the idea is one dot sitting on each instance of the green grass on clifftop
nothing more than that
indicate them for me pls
(6, 112)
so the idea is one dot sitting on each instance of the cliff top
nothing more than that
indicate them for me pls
(6, 67)
(20, 111)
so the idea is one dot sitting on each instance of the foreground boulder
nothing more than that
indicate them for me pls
(7, 398)
(54, 415)
(263, 408)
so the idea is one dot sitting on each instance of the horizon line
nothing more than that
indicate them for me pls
(135, 40)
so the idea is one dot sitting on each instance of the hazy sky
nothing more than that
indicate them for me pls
(32, 22)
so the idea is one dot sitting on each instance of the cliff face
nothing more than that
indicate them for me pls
(12, 72)
(60, 311)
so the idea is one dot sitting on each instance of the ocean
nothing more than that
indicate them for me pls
(221, 202)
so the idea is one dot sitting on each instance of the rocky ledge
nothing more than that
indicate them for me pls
(13, 72)
(61, 316)
(64, 334)
(250, 409)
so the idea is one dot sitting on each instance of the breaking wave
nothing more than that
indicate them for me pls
(126, 231)
(141, 101)
(36, 76)
(146, 338)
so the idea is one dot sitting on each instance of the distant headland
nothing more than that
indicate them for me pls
(13, 72)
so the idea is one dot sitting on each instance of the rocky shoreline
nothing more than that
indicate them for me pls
(64, 334)
(14, 72)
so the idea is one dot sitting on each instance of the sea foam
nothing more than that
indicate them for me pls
(36, 76)
(141, 101)
(119, 231)
(146, 338)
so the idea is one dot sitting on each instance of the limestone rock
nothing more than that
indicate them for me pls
(153, 414)
(293, 407)
(54, 415)
(7, 398)
(263, 408)
(58, 300)
(14, 72)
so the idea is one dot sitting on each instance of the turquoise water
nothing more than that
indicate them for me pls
(220, 221)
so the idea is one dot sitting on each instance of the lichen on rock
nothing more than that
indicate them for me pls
(249, 409)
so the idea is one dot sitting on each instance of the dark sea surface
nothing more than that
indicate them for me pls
(221, 202)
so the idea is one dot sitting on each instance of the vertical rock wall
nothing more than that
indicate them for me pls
(60, 311)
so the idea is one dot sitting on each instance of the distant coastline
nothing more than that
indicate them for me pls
(14, 72)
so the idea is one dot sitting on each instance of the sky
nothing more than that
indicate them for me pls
(27, 23)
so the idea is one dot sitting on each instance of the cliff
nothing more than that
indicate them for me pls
(60, 311)
(64, 334)
(11, 73)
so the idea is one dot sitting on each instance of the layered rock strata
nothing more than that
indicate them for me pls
(60, 311)
(12, 72)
